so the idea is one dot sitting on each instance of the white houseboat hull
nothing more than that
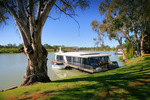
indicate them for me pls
(58, 66)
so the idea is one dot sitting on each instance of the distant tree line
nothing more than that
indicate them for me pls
(102, 47)
(21, 45)
(13, 48)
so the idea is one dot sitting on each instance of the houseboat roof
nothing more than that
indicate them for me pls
(82, 54)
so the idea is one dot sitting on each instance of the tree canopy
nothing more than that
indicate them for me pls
(125, 19)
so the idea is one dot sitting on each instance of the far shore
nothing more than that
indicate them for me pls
(16, 50)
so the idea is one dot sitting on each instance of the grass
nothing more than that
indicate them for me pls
(130, 82)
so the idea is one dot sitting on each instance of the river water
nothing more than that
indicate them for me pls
(13, 67)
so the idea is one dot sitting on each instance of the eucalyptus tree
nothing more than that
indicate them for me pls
(131, 18)
(30, 17)
(109, 28)
(137, 13)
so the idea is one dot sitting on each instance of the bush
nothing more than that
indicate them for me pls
(120, 57)
(9, 50)
(50, 50)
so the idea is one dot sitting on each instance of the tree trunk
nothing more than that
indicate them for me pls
(142, 45)
(142, 40)
(30, 27)
(120, 43)
(124, 57)
(136, 39)
(37, 67)
(37, 59)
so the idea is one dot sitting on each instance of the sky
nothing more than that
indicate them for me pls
(63, 31)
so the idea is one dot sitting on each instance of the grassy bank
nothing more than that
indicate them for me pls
(128, 82)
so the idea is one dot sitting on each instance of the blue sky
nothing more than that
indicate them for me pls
(64, 31)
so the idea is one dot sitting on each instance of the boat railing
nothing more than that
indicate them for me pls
(90, 67)
(81, 65)
(60, 60)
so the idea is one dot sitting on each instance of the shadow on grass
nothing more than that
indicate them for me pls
(120, 83)
(105, 89)
(147, 57)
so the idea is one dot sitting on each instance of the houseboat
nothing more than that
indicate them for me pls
(84, 61)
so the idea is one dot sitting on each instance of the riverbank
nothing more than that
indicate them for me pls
(5, 50)
(129, 82)
(9, 50)
(16, 50)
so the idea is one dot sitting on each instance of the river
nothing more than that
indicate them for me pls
(13, 67)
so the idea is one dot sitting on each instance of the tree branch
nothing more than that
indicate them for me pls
(65, 3)
(68, 15)
(18, 21)
(48, 6)
(39, 9)
(53, 18)
(31, 16)
(21, 11)
(23, 36)
(29, 6)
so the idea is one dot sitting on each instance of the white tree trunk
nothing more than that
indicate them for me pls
(122, 50)
(142, 49)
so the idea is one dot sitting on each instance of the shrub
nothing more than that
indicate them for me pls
(120, 57)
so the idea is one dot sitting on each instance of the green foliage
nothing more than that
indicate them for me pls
(9, 50)
(3, 16)
(129, 50)
(16, 50)
(112, 24)
(102, 48)
(47, 46)
(130, 82)
(121, 18)
(120, 57)
(20, 46)
(50, 50)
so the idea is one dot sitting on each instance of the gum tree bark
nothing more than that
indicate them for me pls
(122, 50)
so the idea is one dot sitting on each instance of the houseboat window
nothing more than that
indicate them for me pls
(85, 61)
(102, 59)
(68, 59)
(60, 58)
(106, 59)
(92, 61)
(76, 59)
(98, 61)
